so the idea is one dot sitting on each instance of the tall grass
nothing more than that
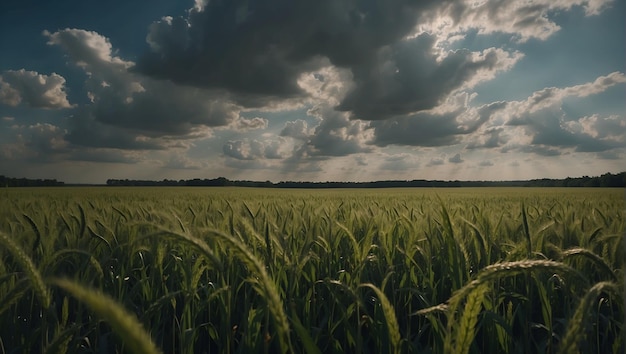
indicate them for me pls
(259, 270)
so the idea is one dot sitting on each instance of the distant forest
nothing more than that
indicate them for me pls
(26, 182)
(606, 180)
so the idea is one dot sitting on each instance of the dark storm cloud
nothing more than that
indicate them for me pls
(257, 51)
(104, 156)
(261, 47)
(85, 130)
(432, 129)
(410, 77)
(419, 130)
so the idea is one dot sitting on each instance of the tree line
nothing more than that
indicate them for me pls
(605, 180)
(26, 182)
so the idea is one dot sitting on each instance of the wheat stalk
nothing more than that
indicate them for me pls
(597, 260)
(41, 290)
(390, 317)
(126, 325)
(267, 286)
(466, 326)
(576, 324)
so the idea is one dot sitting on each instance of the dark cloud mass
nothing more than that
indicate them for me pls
(410, 77)
(431, 129)
(260, 48)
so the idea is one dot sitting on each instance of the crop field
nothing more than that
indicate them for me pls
(243, 270)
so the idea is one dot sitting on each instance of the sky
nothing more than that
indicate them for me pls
(325, 90)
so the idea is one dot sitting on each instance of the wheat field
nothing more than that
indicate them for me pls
(244, 270)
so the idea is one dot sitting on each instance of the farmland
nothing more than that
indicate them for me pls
(193, 270)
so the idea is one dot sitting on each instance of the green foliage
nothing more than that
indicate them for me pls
(319, 271)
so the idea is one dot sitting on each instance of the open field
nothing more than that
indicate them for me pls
(193, 270)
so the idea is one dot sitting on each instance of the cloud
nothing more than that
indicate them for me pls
(411, 77)
(327, 84)
(539, 125)
(399, 162)
(133, 105)
(598, 127)
(179, 161)
(583, 134)
(551, 96)
(485, 163)
(33, 89)
(437, 161)
(442, 126)
(456, 159)
(40, 142)
(355, 55)
(297, 129)
(336, 134)
(261, 48)
(86, 131)
(547, 126)
(611, 155)
(361, 160)
(47, 143)
(244, 124)
(490, 138)
(106, 156)
(522, 20)
(255, 149)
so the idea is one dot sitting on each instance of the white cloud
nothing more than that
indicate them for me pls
(523, 20)
(598, 127)
(328, 84)
(244, 124)
(336, 134)
(539, 125)
(297, 129)
(255, 149)
(33, 89)
(551, 96)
